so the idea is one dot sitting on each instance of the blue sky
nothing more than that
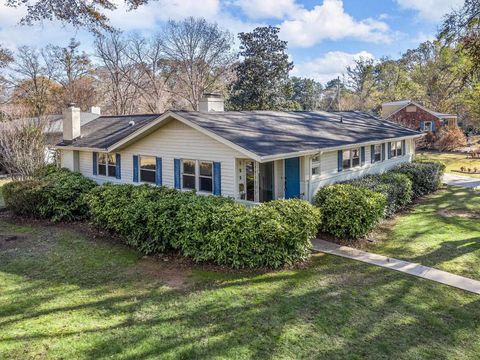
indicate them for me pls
(324, 35)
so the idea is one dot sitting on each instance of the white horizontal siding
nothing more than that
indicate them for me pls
(174, 140)
(329, 168)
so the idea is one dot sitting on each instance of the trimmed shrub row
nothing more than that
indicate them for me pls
(56, 195)
(353, 209)
(206, 228)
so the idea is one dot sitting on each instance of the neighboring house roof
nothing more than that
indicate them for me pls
(56, 121)
(262, 134)
(405, 103)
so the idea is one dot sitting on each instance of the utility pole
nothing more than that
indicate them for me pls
(338, 93)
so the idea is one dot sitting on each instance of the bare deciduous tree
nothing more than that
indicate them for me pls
(115, 74)
(73, 70)
(23, 146)
(198, 54)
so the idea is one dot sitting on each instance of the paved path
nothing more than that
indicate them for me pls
(460, 180)
(406, 267)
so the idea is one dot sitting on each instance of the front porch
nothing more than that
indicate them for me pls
(261, 182)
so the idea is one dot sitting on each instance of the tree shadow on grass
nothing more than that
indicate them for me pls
(335, 308)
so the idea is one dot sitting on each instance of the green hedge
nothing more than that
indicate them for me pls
(57, 195)
(396, 187)
(425, 176)
(271, 234)
(349, 211)
(206, 228)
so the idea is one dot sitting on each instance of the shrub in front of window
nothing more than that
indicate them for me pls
(269, 235)
(58, 195)
(396, 187)
(348, 211)
(426, 177)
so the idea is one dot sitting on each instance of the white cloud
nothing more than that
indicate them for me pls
(266, 9)
(329, 66)
(431, 10)
(330, 21)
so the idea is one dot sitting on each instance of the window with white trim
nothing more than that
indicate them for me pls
(396, 149)
(106, 164)
(377, 155)
(316, 165)
(148, 169)
(189, 171)
(197, 175)
(205, 182)
(351, 158)
(427, 126)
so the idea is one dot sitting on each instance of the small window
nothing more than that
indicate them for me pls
(106, 164)
(148, 169)
(316, 165)
(377, 156)
(206, 176)
(346, 159)
(427, 126)
(411, 108)
(188, 174)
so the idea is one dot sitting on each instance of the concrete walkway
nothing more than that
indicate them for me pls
(460, 180)
(406, 267)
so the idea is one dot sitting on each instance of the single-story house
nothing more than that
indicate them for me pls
(253, 156)
(415, 116)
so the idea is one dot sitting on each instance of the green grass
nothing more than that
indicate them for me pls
(442, 232)
(66, 294)
(453, 161)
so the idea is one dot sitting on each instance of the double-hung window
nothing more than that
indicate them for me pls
(427, 126)
(205, 181)
(316, 165)
(106, 164)
(351, 158)
(197, 175)
(189, 170)
(148, 169)
(377, 156)
(396, 148)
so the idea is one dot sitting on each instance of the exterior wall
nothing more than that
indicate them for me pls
(174, 140)
(412, 119)
(329, 168)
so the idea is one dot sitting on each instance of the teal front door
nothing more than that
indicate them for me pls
(292, 178)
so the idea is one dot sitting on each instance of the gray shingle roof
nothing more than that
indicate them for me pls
(267, 133)
(106, 131)
(264, 133)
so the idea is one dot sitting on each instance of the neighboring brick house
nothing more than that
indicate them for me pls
(415, 116)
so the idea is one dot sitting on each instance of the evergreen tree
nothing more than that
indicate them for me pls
(262, 77)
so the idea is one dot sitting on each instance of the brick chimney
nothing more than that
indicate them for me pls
(211, 102)
(71, 123)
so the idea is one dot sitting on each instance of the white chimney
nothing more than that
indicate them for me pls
(71, 123)
(95, 110)
(211, 102)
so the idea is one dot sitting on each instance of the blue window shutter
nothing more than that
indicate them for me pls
(404, 147)
(217, 179)
(135, 168)
(176, 166)
(158, 173)
(362, 155)
(340, 160)
(372, 154)
(422, 125)
(434, 126)
(94, 162)
(383, 151)
(389, 150)
(118, 167)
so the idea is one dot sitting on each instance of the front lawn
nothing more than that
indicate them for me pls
(452, 161)
(68, 293)
(442, 231)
